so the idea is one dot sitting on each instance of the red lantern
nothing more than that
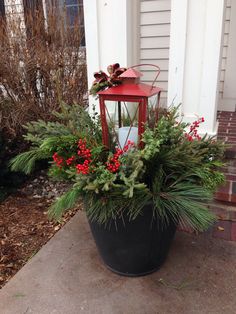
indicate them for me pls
(124, 108)
(130, 76)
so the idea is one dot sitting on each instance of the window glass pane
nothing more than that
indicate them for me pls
(71, 2)
(72, 15)
(2, 9)
(72, 12)
(82, 36)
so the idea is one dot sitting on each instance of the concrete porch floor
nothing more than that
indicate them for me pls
(67, 277)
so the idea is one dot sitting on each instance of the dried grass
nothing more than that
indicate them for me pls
(39, 67)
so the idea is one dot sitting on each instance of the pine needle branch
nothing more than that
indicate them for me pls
(65, 202)
(26, 161)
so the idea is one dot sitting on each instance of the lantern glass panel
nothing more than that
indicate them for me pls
(153, 109)
(122, 121)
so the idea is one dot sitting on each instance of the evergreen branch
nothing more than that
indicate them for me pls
(65, 202)
(184, 204)
(102, 208)
(26, 161)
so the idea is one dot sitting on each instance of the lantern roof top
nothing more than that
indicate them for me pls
(131, 73)
(138, 90)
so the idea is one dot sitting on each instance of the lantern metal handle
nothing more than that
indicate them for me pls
(152, 65)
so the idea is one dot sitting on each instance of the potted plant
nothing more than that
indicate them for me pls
(134, 197)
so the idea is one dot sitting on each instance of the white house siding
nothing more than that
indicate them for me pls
(154, 40)
(225, 42)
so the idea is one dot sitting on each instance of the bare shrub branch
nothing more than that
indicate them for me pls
(40, 66)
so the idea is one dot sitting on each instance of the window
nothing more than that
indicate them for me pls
(2, 9)
(73, 12)
(71, 9)
(2, 17)
(74, 15)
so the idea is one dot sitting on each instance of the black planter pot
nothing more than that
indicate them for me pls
(133, 248)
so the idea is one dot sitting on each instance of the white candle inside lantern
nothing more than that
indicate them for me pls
(126, 134)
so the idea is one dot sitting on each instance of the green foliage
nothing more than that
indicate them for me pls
(151, 147)
(97, 87)
(103, 180)
(67, 201)
(175, 171)
(183, 202)
(103, 207)
(71, 120)
(48, 137)
(25, 162)
(39, 130)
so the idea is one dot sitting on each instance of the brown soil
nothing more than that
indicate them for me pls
(24, 229)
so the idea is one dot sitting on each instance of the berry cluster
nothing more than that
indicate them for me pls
(193, 133)
(70, 160)
(129, 145)
(113, 165)
(84, 153)
(83, 168)
(58, 160)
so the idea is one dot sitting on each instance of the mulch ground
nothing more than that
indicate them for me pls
(25, 228)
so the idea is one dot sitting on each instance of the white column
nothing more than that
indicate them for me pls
(110, 36)
(179, 11)
(209, 92)
(196, 66)
(92, 43)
